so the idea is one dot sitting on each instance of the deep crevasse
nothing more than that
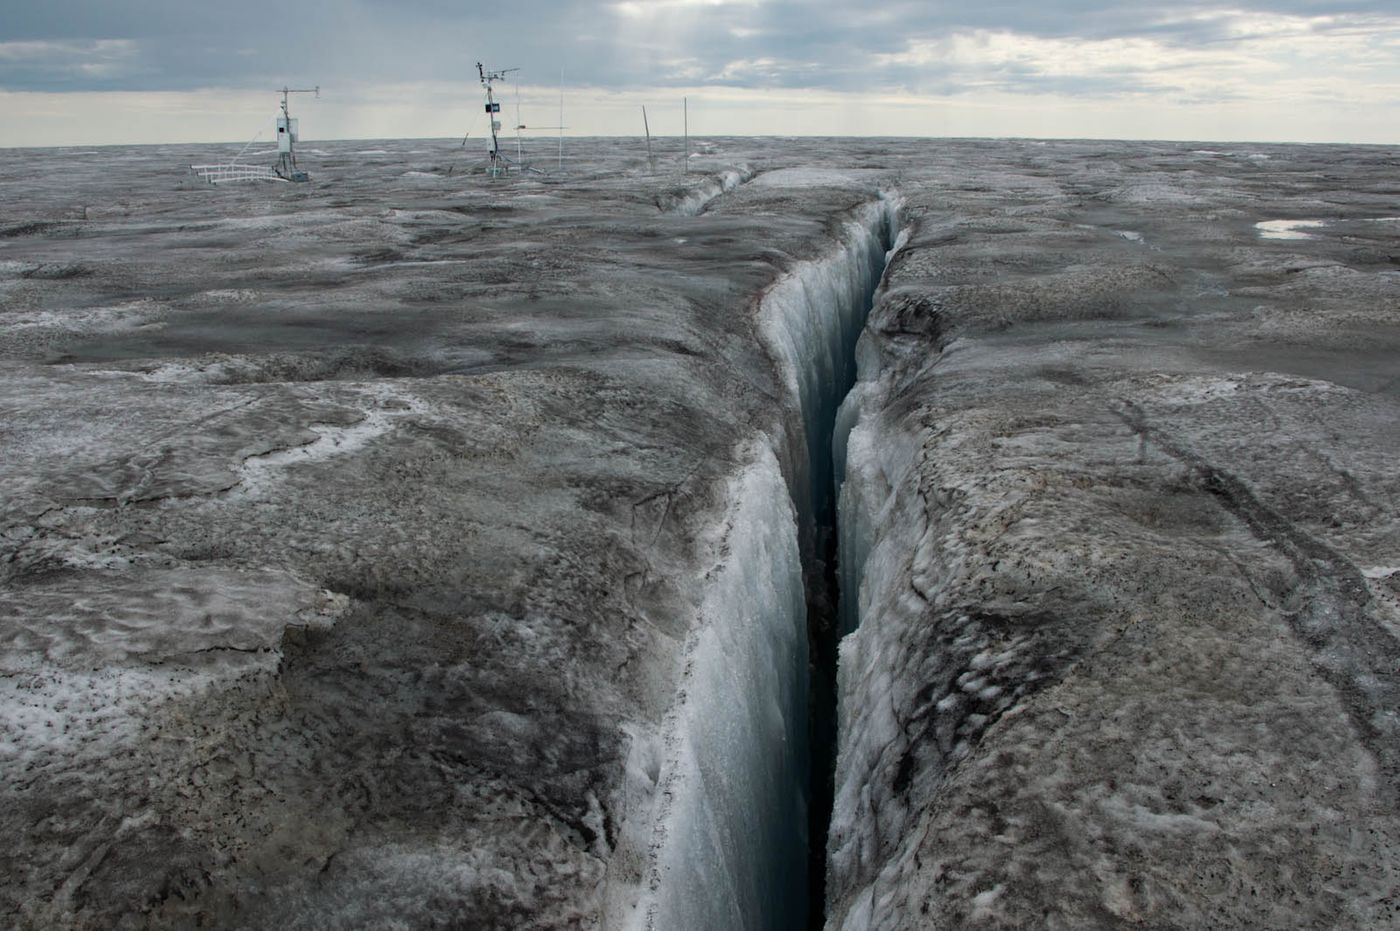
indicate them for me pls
(727, 844)
(863, 489)
(811, 320)
(883, 528)
(727, 821)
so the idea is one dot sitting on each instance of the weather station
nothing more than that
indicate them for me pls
(498, 163)
(285, 169)
(288, 134)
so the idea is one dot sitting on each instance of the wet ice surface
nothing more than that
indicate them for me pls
(365, 542)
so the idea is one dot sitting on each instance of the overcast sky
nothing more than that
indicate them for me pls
(103, 71)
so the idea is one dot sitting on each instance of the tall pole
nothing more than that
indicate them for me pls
(519, 146)
(651, 165)
(289, 155)
(561, 119)
(685, 105)
(493, 108)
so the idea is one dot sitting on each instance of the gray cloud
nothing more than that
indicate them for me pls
(162, 44)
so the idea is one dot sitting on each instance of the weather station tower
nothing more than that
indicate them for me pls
(287, 137)
(499, 164)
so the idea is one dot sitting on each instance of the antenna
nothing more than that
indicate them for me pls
(288, 135)
(685, 104)
(519, 145)
(247, 146)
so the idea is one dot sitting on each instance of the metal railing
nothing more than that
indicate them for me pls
(221, 174)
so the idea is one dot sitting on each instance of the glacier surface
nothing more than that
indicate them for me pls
(407, 549)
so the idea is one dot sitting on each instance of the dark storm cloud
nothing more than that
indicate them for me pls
(162, 44)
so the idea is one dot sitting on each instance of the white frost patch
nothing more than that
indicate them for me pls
(127, 316)
(1153, 193)
(1199, 390)
(386, 405)
(175, 373)
(72, 713)
(10, 269)
(1380, 572)
(1252, 156)
(983, 903)
(1288, 229)
(84, 660)
(1131, 236)
(1202, 389)
(231, 296)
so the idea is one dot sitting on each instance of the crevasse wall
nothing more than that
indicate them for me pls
(727, 844)
(861, 470)
(882, 526)
(811, 320)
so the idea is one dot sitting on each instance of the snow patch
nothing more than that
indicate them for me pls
(387, 404)
(1288, 229)
(983, 903)
(126, 316)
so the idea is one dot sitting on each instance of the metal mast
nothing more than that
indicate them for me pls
(499, 162)
(651, 162)
(287, 135)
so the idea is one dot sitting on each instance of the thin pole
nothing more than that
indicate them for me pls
(650, 163)
(287, 122)
(561, 119)
(246, 147)
(685, 104)
(495, 130)
(519, 146)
